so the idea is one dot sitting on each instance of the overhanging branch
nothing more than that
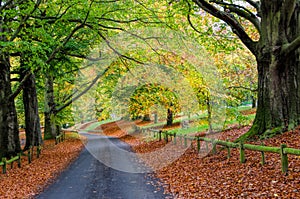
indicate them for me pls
(66, 40)
(242, 12)
(231, 21)
(81, 93)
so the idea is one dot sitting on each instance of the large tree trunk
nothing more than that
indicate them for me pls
(9, 129)
(32, 119)
(278, 107)
(50, 130)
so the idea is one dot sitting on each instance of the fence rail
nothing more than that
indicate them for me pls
(283, 150)
(61, 137)
(4, 162)
(17, 158)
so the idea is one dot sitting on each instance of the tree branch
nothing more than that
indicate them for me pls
(5, 5)
(254, 4)
(66, 40)
(23, 20)
(231, 21)
(83, 57)
(290, 47)
(81, 93)
(242, 87)
(21, 86)
(112, 48)
(242, 12)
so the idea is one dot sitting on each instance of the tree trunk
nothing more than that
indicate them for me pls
(32, 119)
(146, 117)
(155, 118)
(169, 117)
(278, 107)
(253, 100)
(209, 115)
(9, 128)
(50, 121)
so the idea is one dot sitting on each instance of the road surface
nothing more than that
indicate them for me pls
(105, 169)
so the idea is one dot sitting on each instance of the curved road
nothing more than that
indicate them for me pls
(118, 174)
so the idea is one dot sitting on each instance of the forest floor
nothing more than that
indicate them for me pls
(30, 179)
(215, 176)
(189, 176)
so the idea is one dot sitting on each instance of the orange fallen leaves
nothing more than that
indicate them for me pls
(30, 179)
(214, 176)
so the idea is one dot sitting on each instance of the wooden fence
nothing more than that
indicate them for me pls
(283, 150)
(60, 138)
(17, 158)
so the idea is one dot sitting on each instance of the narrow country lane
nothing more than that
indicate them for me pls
(118, 174)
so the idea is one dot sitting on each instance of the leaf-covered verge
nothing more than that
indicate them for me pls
(214, 176)
(30, 179)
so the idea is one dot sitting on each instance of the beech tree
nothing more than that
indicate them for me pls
(276, 52)
(13, 17)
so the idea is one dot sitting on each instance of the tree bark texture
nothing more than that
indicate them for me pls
(50, 110)
(9, 129)
(278, 71)
(32, 119)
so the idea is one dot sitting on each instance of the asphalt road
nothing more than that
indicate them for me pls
(105, 169)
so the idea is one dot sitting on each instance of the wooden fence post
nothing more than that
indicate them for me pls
(29, 155)
(228, 150)
(242, 153)
(166, 137)
(198, 145)
(206, 145)
(19, 160)
(12, 163)
(159, 135)
(4, 165)
(38, 151)
(214, 148)
(262, 156)
(175, 139)
(284, 159)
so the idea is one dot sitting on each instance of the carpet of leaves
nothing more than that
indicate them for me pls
(215, 176)
(31, 179)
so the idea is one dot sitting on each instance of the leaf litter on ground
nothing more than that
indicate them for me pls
(193, 175)
(31, 179)
(190, 176)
